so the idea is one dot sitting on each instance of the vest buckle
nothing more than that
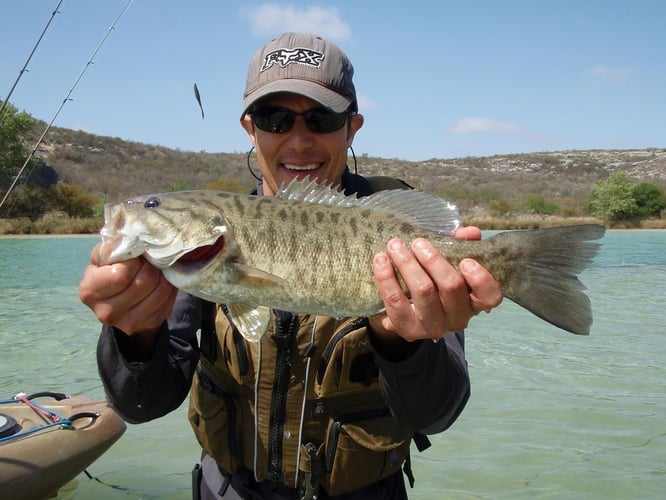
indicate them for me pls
(309, 482)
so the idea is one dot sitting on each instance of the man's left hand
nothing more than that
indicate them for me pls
(440, 298)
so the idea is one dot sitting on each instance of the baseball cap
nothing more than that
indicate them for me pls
(304, 64)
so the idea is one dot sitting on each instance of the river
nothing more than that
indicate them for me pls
(551, 414)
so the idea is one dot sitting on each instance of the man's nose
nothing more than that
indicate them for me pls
(300, 135)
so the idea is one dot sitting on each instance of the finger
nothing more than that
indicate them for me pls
(100, 254)
(100, 283)
(138, 281)
(150, 312)
(94, 254)
(468, 233)
(427, 316)
(431, 278)
(449, 285)
(388, 285)
(485, 292)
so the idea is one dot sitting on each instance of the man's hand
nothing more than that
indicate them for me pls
(132, 295)
(440, 299)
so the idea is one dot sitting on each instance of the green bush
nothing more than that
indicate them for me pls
(75, 201)
(650, 199)
(501, 207)
(612, 199)
(539, 205)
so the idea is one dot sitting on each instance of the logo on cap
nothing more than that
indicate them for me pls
(284, 57)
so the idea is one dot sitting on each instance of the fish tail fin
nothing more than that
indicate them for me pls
(545, 264)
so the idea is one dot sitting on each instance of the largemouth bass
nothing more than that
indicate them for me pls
(309, 249)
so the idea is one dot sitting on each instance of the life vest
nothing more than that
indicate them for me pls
(302, 405)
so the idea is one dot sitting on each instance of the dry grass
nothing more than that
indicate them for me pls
(653, 224)
(527, 222)
(59, 225)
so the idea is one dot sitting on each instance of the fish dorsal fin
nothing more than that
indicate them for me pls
(416, 207)
(308, 191)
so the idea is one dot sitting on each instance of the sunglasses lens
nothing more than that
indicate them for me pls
(322, 121)
(275, 120)
(280, 120)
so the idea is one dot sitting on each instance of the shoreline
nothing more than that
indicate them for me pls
(92, 226)
(46, 236)
(96, 235)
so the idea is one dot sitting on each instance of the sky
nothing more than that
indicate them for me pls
(435, 79)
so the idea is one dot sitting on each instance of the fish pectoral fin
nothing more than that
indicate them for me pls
(256, 277)
(252, 321)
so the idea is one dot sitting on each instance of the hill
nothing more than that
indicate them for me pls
(114, 168)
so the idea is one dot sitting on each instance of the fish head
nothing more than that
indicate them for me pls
(166, 229)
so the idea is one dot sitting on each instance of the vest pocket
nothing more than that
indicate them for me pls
(348, 364)
(212, 414)
(361, 449)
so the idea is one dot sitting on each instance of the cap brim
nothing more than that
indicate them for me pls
(314, 91)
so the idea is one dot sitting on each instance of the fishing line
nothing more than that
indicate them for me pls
(65, 100)
(23, 70)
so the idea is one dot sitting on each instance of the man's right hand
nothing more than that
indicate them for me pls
(131, 295)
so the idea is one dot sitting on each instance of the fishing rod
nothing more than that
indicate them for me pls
(23, 70)
(64, 101)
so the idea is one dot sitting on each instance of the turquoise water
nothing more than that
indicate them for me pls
(551, 415)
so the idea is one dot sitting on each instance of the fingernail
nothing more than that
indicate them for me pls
(381, 259)
(468, 266)
(420, 245)
(395, 245)
(423, 248)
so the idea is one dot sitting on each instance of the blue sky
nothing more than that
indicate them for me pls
(439, 79)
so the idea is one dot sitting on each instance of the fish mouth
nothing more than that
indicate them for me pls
(201, 256)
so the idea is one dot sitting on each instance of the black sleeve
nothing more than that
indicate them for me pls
(144, 390)
(430, 388)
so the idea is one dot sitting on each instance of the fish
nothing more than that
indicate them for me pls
(309, 250)
(197, 96)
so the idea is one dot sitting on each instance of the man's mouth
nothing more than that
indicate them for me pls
(302, 168)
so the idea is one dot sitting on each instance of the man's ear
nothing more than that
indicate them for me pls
(246, 123)
(355, 123)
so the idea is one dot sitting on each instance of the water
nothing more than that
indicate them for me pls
(551, 415)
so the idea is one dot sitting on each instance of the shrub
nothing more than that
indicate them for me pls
(650, 199)
(539, 205)
(612, 199)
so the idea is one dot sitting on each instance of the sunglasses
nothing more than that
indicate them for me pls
(280, 120)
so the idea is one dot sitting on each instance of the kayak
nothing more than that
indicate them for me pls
(46, 444)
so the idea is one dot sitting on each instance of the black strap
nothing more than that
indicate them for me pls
(421, 441)
(384, 182)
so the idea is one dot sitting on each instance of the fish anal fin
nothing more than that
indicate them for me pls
(252, 321)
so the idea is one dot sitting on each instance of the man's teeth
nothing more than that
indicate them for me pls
(312, 166)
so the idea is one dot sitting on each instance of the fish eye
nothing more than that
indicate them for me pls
(152, 202)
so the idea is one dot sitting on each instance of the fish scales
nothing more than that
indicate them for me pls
(321, 253)
(309, 250)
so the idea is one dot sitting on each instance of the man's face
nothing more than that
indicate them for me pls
(300, 152)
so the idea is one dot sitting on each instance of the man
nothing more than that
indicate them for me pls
(320, 407)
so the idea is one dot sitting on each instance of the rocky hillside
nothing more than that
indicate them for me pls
(114, 168)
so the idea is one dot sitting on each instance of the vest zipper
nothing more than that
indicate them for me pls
(328, 351)
(286, 327)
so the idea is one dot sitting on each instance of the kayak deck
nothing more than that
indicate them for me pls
(39, 454)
